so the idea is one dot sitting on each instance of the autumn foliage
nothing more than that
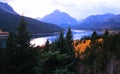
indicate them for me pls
(81, 45)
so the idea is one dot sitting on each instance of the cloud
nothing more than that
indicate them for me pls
(6, 1)
(83, 8)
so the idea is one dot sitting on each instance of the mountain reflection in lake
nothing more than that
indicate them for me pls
(77, 34)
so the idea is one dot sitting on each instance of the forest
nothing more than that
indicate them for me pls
(101, 55)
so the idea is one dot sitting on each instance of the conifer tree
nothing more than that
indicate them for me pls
(23, 36)
(10, 53)
(70, 51)
(69, 40)
(105, 50)
(25, 56)
(21, 55)
(11, 41)
(91, 54)
(47, 45)
(59, 59)
(106, 41)
(113, 50)
(61, 43)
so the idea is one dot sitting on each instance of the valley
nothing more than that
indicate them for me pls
(58, 42)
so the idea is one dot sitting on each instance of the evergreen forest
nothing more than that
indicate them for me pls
(102, 56)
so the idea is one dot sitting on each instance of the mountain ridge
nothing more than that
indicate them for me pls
(7, 8)
(59, 18)
(98, 22)
(9, 22)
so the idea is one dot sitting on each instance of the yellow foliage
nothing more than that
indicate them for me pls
(80, 46)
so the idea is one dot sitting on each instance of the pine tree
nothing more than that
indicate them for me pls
(106, 41)
(114, 41)
(105, 50)
(47, 45)
(118, 46)
(72, 61)
(59, 59)
(25, 57)
(69, 40)
(94, 37)
(23, 37)
(10, 53)
(11, 41)
(20, 53)
(61, 43)
(92, 54)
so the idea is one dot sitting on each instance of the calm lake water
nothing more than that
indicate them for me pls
(77, 34)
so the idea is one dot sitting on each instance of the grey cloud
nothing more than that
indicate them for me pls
(63, 4)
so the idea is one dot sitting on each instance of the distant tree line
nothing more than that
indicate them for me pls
(20, 57)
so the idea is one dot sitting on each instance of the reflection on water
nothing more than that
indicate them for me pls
(77, 34)
(41, 41)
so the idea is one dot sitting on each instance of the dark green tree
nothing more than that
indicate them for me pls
(92, 55)
(72, 61)
(25, 60)
(19, 51)
(61, 43)
(47, 45)
(11, 41)
(10, 53)
(23, 36)
(105, 50)
(59, 59)
(3, 60)
(118, 46)
(69, 40)
(94, 37)
(114, 48)
(52, 62)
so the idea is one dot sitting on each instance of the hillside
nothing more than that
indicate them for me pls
(101, 22)
(10, 22)
(7, 8)
(112, 23)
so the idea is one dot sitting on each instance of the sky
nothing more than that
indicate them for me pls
(78, 9)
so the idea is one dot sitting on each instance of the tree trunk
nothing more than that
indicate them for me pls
(112, 64)
(95, 68)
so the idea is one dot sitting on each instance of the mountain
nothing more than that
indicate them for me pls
(38, 18)
(5, 7)
(62, 19)
(96, 22)
(10, 22)
(112, 23)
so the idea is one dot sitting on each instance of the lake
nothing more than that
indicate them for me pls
(77, 34)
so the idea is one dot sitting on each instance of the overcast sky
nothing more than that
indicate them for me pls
(76, 8)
